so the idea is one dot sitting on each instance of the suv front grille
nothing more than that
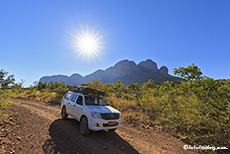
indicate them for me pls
(110, 116)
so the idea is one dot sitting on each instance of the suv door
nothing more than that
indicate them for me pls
(72, 104)
(68, 103)
(78, 107)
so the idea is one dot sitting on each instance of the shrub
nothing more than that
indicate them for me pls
(4, 103)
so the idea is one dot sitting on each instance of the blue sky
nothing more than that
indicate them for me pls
(36, 37)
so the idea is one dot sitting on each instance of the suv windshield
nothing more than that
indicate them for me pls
(95, 100)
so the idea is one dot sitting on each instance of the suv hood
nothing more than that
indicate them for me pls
(102, 109)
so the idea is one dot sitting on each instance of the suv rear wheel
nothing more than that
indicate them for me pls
(64, 115)
(84, 129)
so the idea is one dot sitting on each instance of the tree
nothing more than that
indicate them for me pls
(191, 72)
(5, 80)
(41, 85)
(35, 83)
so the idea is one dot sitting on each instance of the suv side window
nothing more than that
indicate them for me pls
(80, 100)
(74, 98)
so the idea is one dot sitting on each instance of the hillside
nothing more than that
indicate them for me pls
(125, 70)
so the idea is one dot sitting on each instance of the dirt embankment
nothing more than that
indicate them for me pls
(37, 128)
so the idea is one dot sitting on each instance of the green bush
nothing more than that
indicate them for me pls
(196, 109)
(4, 103)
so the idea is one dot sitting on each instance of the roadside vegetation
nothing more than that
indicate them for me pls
(4, 104)
(198, 109)
(5, 82)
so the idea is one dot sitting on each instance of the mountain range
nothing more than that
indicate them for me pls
(125, 70)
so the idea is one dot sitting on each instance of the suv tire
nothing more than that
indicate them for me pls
(64, 115)
(84, 129)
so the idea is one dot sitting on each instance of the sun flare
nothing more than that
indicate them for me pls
(88, 43)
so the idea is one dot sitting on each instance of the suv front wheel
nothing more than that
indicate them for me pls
(84, 129)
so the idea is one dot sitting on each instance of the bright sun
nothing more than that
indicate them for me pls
(88, 43)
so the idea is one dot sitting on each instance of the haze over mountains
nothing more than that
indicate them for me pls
(125, 70)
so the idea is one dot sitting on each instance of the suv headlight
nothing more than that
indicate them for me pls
(96, 115)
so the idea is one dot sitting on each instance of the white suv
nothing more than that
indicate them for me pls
(91, 110)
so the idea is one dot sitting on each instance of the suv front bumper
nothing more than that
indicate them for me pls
(101, 124)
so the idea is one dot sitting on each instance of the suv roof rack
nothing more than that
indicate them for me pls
(86, 91)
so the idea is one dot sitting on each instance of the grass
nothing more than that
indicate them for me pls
(5, 103)
(130, 110)
(37, 96)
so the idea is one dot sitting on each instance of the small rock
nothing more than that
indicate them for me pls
(105, 147)
(184, 139)
(142, 126)
(122, 148)
(19, 138)
(147, 127)
(166, 129)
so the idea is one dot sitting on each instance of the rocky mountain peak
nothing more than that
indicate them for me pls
(125, 70)
(164, 70)
(148, 64)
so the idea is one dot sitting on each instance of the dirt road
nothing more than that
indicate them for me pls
(38, 129)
